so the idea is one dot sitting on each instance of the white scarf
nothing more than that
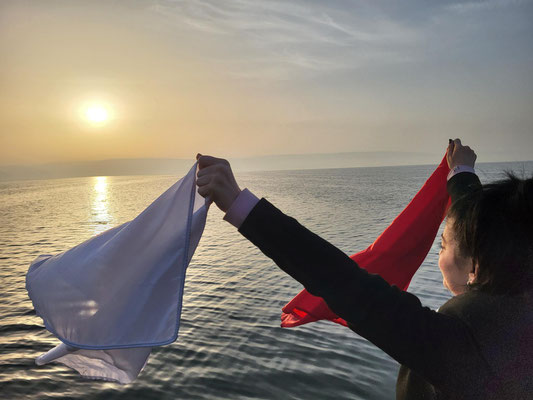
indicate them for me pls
(114, 297)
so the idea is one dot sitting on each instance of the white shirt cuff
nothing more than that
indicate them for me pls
(241, 207)
(458, 169)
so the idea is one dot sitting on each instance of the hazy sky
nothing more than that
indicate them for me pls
(238, 78)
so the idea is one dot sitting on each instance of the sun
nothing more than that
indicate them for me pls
(97, 114)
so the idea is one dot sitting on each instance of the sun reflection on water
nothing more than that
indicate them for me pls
(100, 207)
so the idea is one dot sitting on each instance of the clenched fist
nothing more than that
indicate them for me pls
(460, 155)
(216, 181)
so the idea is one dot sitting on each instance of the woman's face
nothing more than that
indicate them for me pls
(456, 270)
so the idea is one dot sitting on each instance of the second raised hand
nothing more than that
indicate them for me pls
(460, 155)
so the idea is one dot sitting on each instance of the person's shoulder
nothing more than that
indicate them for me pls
(492, 315)
(466, 304)
(477, 301)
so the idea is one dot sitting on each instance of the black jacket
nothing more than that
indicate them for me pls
(475, 347)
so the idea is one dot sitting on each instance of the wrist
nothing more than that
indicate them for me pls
(232, 196)
(460, 168)
(241, 207)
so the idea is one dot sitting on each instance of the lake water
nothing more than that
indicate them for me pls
(230, 342)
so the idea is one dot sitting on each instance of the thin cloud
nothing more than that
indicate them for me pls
(472, 6)
(295, 37)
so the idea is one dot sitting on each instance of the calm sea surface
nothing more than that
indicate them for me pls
(230, 342)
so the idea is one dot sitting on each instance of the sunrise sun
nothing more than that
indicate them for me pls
(96, 114)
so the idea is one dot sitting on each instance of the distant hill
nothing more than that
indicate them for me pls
(168, 166)
(141, 166)
(333, 160)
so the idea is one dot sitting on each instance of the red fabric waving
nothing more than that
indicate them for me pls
(395, 255)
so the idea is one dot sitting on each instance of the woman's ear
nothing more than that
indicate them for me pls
(472, 275)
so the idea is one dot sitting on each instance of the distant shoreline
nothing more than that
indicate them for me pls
(167, 166)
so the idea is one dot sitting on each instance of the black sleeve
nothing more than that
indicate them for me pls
(461, 184)
(440, 348)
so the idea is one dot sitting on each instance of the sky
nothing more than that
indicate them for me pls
(243, 78)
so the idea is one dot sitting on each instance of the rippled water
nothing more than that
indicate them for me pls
(230, 342)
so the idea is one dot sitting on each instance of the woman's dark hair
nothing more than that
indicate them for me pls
(494, 227)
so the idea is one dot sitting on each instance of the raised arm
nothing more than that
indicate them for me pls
(438, 347)
(461, 160)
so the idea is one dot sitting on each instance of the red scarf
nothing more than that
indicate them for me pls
(395, 255)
